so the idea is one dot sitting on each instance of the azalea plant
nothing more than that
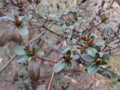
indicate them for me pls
(18, 22)
(27, 53)
(68, 34)
(96, 60)
(66, 61)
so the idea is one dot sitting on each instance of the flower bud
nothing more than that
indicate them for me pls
(37, 1)
(103, 18)
(67, 58)
(75, 17)
(90, 42)
(16, 21)
(85, 37)
(31, 52)
(58, 6)
(99, 61)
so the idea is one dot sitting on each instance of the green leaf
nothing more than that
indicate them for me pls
(23, 30)
(101, 53)
(105, 57)
(92, 69)
(100, 43)
(91, 51)
(65, 49)
(97, 55)
(21, 58)
(69, 52)
(104, 63)
(40, 53)
(87, 57)
(75, 57)
(69, 64)
(59, 66)
(19, 50)
(21, 18)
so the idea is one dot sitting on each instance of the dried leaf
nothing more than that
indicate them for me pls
(8, 36)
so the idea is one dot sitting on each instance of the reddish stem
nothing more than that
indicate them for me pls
(50, 82)
(54, 61)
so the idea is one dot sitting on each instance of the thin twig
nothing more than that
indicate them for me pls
(52, 31)
(38, 36)
(54, 61)
(12, 59)
(5, 66)
(50, 82)
(89, 29)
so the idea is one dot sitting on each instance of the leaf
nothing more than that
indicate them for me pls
(107, 27)
(87, 57)
(52, 16)
(101, 53)
(69, 52)
(34, 70)
(21, 18)
(72, 42)
(21, 58)
(19, 50)
(97, 55)
(111, 45)
(40, 53)
(10, 35)
(59, 66)
(45, 3)
(69, 64)
(10, 17)
(75, 57)
(91, 51)
(100, 43)
(65, 49)
(23, 30)
(105, 57)
(92, 69)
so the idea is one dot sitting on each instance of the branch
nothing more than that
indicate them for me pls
(50, 82)
(52, 31)
(52, 76)
(5, 66)
(38, 36)
(89, 29)
(54, 61)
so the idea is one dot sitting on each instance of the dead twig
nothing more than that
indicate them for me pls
(5, 66)
(54, 61)
(50, 82)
